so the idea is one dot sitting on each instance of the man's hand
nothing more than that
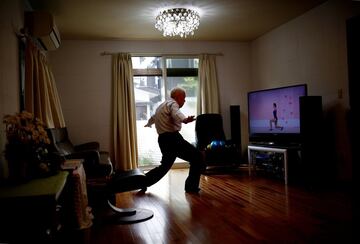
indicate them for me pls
(147, 125)
(189, 119)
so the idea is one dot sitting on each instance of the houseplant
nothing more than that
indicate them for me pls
(26, 148)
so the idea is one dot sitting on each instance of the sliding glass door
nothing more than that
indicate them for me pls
(154, 77)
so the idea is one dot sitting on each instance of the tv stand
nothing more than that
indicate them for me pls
(276, 157)
(288, 145)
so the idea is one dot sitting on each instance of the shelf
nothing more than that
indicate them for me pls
(269, 159)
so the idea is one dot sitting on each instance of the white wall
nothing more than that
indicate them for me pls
(83, 79)
(11, 20)
(311, 49)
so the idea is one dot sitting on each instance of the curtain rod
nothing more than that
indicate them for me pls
(161, 54)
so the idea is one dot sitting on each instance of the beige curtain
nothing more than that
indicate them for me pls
(124, 151)
(41, 97)
(208, 96)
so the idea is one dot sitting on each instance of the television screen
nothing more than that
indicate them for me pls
(274, 114)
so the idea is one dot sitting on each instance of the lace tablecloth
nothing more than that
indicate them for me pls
(83, 215)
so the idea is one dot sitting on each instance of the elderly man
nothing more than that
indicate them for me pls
(168, 120)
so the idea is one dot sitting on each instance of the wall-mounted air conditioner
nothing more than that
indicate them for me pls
(41, 26)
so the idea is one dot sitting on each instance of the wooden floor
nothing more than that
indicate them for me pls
(231, 208)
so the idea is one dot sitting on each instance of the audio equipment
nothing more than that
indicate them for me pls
(313, 153)
(235, 124)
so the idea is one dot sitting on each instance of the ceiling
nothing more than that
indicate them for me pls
(220, 20)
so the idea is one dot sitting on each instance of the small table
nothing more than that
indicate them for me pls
(31, 207)
(49, 188)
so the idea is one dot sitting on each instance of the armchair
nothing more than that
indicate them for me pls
(211, 140)
(96, 162)
(97, 166)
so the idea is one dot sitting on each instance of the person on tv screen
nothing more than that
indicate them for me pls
(275, 119)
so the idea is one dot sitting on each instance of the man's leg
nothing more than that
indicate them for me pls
(167, 146)
(155, 174)
(189, 153)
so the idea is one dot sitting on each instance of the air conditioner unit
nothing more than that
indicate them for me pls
(41, 26)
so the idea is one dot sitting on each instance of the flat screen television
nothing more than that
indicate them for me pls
(274, 115)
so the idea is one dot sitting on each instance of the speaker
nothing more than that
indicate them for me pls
(235, 124)
(311, 118)
(312, 144)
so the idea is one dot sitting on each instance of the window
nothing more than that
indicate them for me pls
(154, 77)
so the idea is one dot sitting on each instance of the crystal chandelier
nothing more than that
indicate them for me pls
(177, 22)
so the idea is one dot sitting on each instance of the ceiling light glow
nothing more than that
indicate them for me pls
(177, 22)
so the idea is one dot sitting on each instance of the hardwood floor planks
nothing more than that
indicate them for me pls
(231, 208)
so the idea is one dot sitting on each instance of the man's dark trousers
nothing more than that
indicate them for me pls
(173, 145)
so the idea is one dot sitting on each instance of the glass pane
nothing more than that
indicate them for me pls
(146, 62)
(182, 63)
(148, 95)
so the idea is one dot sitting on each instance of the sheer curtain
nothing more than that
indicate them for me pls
(124, 149)
(41, 96)
(208, 96)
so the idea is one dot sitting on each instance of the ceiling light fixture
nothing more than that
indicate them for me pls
(177, 22)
